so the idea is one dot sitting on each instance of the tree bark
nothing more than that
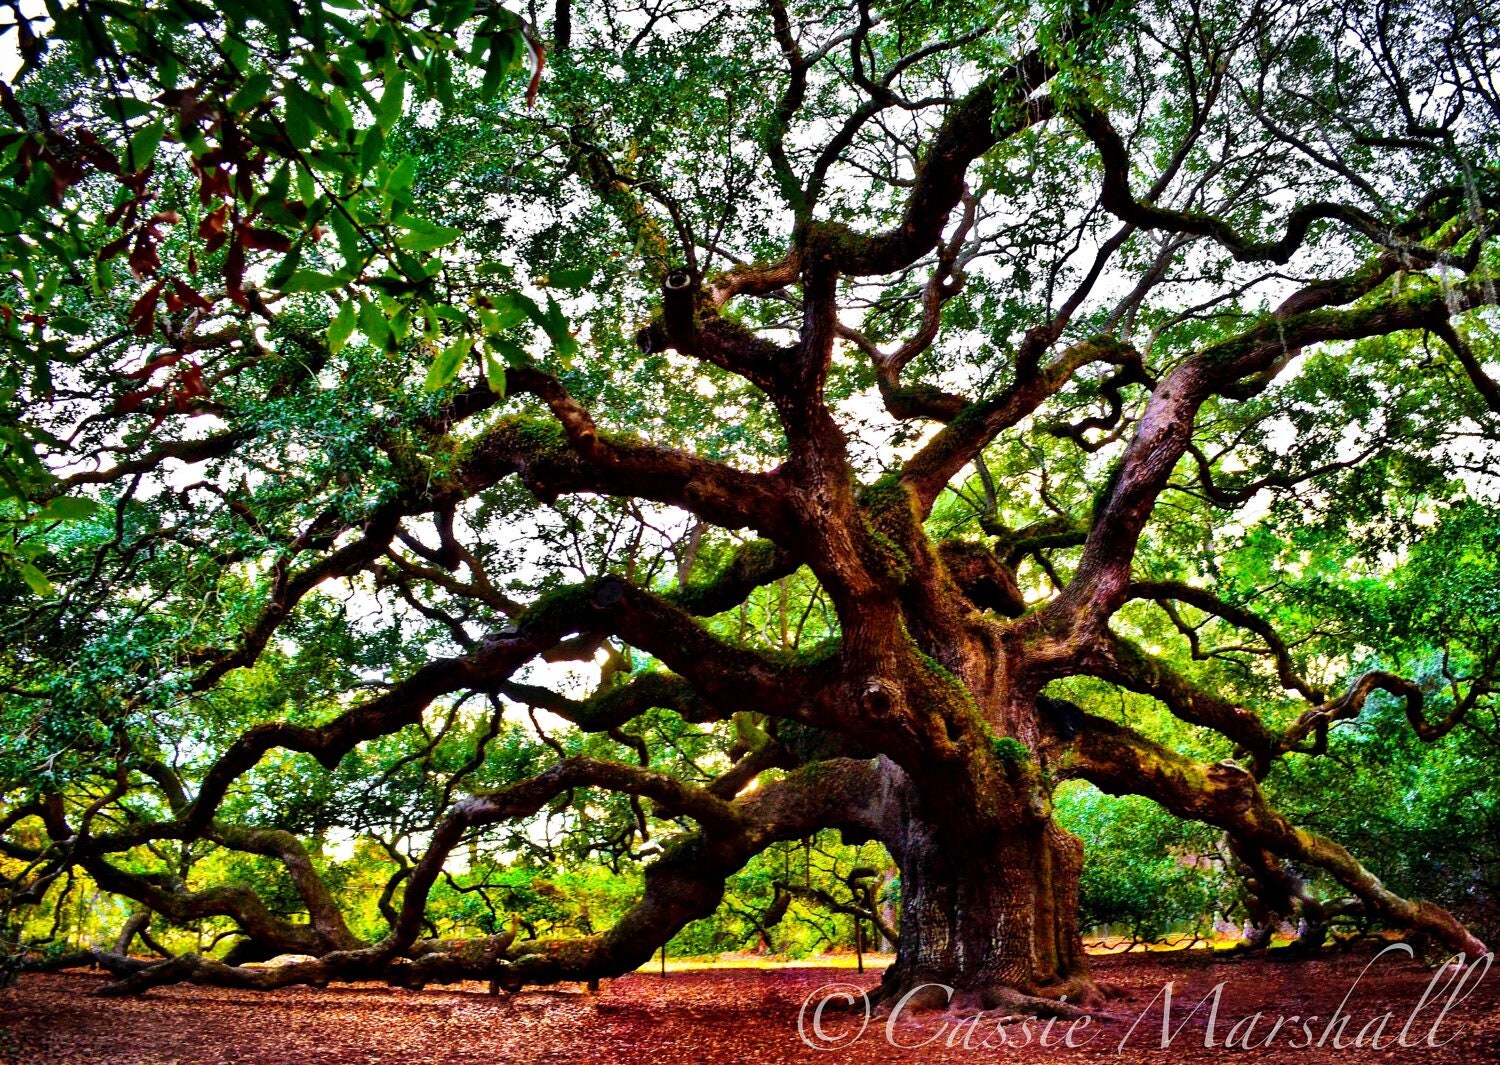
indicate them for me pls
(993, 917)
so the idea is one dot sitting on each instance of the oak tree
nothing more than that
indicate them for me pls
(776, 416)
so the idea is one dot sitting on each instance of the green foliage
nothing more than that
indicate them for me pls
(1146, 874)
(1011, 752)
(289, 119)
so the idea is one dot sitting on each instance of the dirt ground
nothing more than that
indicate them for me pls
(745, 1015)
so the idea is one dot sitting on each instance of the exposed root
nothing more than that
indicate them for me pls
(1070, 999)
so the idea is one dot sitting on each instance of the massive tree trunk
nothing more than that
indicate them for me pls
(988, 918)
(996, 923)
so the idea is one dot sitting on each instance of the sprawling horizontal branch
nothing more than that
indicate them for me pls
(185, 451)
(752, 566)
(1315, 722)
(996, 109)
(1119, 201)
(955, 446)
(685, 883)
(1208, 488)
(324, 914)
(1120, 661)
(726, 676)
(613, 707)
(574, 457)
(833, 905)
(1122, 762)
(234, 901)
(1240, 618)
(288, 587)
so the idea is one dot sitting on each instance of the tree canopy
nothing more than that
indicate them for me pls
(442, 443)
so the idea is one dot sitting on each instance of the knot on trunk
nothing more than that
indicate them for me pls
(1236, 785)
(878, 695)
(984, 578)
(608, 592)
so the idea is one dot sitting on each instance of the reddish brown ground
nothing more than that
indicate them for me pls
(730, 1015)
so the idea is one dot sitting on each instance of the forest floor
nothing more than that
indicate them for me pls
(738, 1014)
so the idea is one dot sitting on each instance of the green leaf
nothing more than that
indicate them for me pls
(348, 239)
(280, 185)
(505, 52)
(312, 281)
(371, 149)
(440, 79)
(281, 273)
(143, 144)
(497, 321)
(66, 323)
(342, 327)
(299, 126)
(310, 107)
(35, 579)
(401, 178)
(571, 277)
(339, 113)
(401, 323)
(411, 266)
(422, 235)
(124, 108)
(68, 508)
(557, 328)
(392, 102)
(256, 89)
(445, 367)
(494, 373)
(513, 354)
(511, 308)
(374, 324)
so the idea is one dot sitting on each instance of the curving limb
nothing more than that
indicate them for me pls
(1119, 761)
(685, 883)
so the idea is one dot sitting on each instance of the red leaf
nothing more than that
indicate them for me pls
(144, 262)
(143, 313)
(213, 184)
(131, 401)
(190, 295)
(137, 182)
(191, 379)
(264, 239)
(540, 55)
(211, 229)
(65, 174)
(99, 155)
(12, 108)
(121, 210)
(154, 365)
(234, 272)
(29, 151)
(114, 247)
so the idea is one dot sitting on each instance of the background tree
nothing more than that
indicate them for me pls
(804, 417)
